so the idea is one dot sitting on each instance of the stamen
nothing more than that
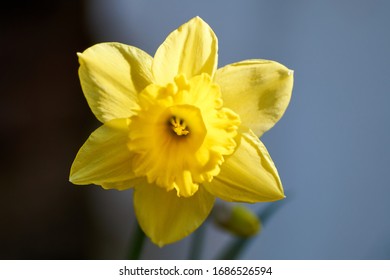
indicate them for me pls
(179, 126)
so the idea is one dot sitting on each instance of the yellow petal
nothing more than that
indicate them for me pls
(190, 50)
(258, 90)
(111, 76)
(167, 218)
(104, 157)
(249, 175)
(122, 185)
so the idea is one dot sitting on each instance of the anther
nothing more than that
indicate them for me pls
(179, 126)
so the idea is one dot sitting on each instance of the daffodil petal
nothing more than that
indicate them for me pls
(167, 218)
(249, 175)
(258, 90)
(104, 157)
(191, 49)
(122, 185)
(111, 76)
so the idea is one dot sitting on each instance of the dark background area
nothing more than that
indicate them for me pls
(43, 122)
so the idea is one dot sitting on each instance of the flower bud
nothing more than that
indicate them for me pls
(236, 219)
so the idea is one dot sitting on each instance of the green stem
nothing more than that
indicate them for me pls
(234, 250)
(136, 244)
(197, 243)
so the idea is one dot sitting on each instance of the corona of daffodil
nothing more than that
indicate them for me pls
(179, 131)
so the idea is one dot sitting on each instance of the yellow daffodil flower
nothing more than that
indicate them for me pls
(179, 131)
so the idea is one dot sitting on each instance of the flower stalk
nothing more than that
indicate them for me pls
(136, 244)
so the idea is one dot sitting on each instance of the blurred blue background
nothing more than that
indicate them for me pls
(331, 146)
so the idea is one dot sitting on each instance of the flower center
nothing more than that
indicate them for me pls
(181, 134)
(178, 126)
